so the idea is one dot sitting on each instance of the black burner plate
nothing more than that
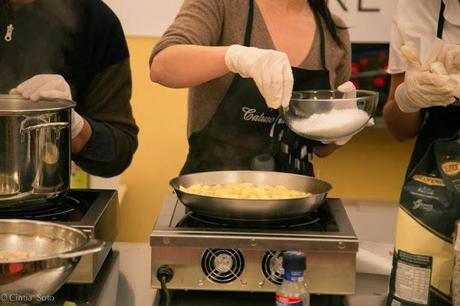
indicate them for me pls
(320, 220)
(69, 207)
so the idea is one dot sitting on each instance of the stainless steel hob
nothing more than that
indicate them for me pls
(207, 254)
(93, 211)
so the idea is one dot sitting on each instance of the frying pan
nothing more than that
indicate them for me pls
(251, 210)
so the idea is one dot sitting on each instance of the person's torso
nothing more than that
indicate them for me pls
(438, 122)
(242, 132)
(234, 22)
(57, 37)
(40, 41)
(416, 23)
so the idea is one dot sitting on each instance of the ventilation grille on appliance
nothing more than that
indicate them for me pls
(272, 266)
(222, 265)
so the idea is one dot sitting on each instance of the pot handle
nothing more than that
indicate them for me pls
(59, 125)
(92, 246)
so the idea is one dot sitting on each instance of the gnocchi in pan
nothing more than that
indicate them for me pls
(245, 191)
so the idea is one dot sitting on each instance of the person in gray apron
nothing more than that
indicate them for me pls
(430, 206)
(244, 132)
(229, 142)
(241, 130)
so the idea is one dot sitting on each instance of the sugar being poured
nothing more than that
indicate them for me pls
(334, 124)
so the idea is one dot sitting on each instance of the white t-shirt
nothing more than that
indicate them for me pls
(415, 24)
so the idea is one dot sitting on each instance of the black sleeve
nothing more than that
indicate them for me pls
(103, 93)
(106, 106)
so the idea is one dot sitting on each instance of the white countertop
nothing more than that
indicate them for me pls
(374, 224)
(134, 282)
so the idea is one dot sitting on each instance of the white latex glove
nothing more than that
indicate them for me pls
(349, 90)
(50, 86)
(450, 57)
(446, 61)
(270, 70)
(422, 88)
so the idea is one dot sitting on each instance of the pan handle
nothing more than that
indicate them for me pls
(92, 246)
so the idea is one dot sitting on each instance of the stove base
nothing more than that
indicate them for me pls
(207, 298)
(254, 270)
(218, 258)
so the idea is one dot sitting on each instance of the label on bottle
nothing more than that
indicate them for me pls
(293, 276)
(288, 301)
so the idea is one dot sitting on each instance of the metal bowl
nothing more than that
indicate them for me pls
(329, 115)
(54, 251)
(247, 210)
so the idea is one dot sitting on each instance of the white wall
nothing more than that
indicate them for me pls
(369, 20)
(145, 17)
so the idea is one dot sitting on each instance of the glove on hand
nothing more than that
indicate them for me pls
(422, 88)
(270, 70)
(349, 91)
(50, 86)
(449, 55)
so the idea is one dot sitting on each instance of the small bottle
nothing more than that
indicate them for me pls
(456, 272)
(293, 291)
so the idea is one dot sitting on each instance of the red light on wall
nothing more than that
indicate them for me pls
(355, 68)
(379, 82)
(364, 62)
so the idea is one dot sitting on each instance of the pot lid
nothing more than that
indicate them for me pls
(15, 104)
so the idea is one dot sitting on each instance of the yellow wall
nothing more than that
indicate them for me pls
(370, 167)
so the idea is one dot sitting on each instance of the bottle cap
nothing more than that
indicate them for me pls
(294, 261)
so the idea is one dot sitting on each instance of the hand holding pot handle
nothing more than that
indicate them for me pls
(49, 86)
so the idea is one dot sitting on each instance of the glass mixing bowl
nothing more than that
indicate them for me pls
(329, 115)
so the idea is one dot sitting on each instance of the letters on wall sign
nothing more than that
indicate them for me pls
(369, 21)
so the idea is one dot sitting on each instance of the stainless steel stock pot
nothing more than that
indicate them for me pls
(34, 148)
